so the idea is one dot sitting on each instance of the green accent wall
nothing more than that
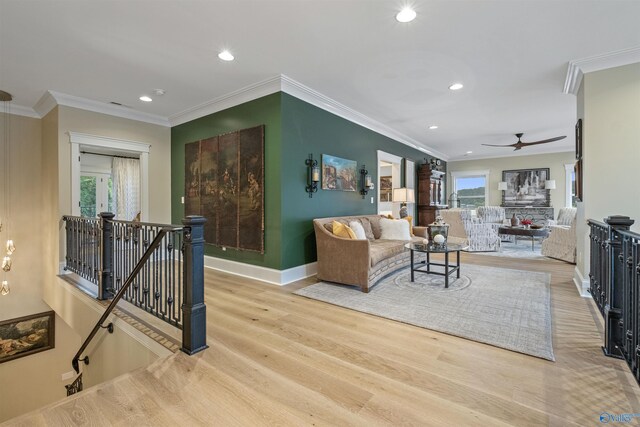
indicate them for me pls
(308, 129)
(293, 130)
(265, 111)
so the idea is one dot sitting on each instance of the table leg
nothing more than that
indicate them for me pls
(533, 239)
(412, 265)
(428, 263)
(446, 270)
(458, 263)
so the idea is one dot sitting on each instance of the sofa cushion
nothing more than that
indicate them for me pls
(342, 230)
(392, 229)
(368, 231)
(379, 250)
(357, 228)
(375, 226)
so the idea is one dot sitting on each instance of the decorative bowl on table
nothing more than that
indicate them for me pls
(536, 226)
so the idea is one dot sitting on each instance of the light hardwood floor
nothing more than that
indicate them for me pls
(279, 359)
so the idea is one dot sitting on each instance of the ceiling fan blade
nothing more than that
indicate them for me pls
(544, 141)
(493, 145)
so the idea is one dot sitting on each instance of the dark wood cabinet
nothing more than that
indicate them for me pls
(431, 193)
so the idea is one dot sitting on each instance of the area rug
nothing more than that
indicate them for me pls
(505, 308)
(522, 249)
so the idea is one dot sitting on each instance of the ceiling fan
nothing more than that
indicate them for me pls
(518, 145)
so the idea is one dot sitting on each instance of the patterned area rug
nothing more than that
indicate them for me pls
(501, 307)
(522, 249)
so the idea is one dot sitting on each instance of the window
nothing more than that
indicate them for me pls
(96, 194)
(471, 188)
(570, 186)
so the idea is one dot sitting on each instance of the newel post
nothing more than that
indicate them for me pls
(105, 282)
(613, 331)
(194, 312)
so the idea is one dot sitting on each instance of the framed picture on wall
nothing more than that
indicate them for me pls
(385, 188)
(579, 140)
(27, 335)
(526, 187)
(339, 174)
(578, 172)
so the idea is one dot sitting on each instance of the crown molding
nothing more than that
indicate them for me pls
(296, 89)
(51, 98)
(20, 110)
(45, 104)
(577, 68)
(240, 96)
(319, 100)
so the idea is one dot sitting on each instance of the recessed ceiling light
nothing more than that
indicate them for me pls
(406, 15)
(456, 86)
(469, 152)
(432, 127)
(225, 55)
(145, 98)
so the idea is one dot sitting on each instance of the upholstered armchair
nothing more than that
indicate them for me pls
(491, 215)
(561, 243)
(471, 232)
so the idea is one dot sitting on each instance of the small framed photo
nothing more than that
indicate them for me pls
(27, 335)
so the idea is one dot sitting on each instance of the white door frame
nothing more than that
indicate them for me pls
(82, 140)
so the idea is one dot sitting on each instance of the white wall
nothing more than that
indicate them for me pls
(555, 162)
(610, 103)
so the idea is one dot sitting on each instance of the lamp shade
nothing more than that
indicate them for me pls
(502, 186)
(550, 184)
(404, 195)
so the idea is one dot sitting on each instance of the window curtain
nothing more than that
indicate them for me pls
(126, 185)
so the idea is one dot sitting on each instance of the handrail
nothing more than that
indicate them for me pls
(152, 247)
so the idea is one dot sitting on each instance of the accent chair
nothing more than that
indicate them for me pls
(469, 231)
(561, 243)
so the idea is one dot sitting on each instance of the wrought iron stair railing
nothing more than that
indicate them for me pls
(614, 283)
(158, 268)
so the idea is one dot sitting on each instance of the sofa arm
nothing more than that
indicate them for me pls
(342, 260)
(420, 231)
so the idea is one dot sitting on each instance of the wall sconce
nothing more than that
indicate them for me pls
(313, 175)
(502, 186)
(367, 183)
(550, 184)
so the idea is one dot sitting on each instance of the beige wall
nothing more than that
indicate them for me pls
(159, 137)
(20, 377)
(555, 162)
(611, 130)
(40, 196)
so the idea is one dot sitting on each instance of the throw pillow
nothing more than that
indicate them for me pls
(409, 219)
(394, 229)
(357, 228)
(368, 230)
(341, 230)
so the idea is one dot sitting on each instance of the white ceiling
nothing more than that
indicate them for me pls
(511, 55)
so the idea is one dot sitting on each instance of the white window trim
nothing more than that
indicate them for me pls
(568, 170)
(465, 174)
(81, 140)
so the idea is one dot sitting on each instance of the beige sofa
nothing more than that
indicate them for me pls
(359, 262)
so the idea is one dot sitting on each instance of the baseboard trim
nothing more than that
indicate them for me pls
(581, 283)
(262, 274)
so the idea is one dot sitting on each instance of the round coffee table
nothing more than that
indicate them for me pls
(528, 232)
(434, 249)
